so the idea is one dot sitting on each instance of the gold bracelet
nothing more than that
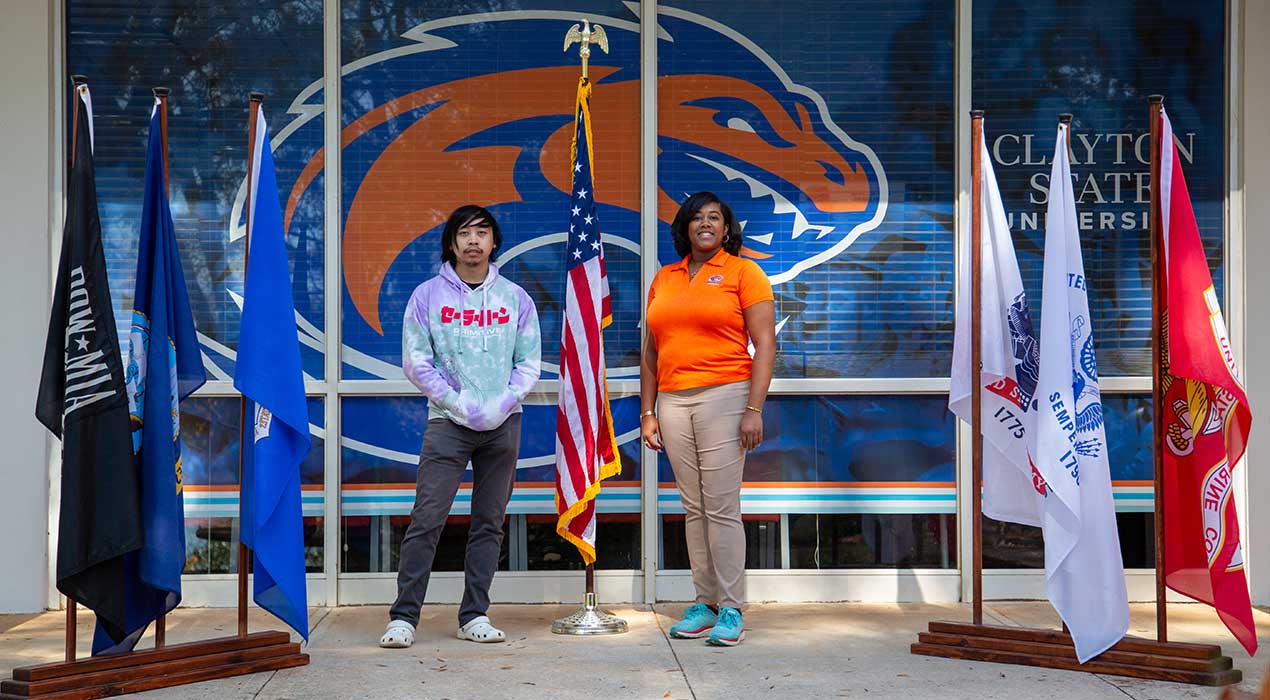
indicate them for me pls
(645, 414)
(751, 408)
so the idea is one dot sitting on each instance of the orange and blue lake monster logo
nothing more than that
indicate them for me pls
(478, 109)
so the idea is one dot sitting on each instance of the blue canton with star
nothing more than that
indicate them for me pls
(584, 225)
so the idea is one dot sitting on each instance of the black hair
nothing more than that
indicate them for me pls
(464, 215)
(692, 205)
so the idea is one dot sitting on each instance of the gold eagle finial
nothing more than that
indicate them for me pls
(586, 35)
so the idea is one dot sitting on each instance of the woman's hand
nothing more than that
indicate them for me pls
(751, 430)
(650, 431)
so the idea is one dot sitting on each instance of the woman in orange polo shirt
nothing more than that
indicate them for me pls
(702, 396)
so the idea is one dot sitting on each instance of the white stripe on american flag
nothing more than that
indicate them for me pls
(583, 343)
(576, 409)
(581, 406)
(574, 397)
(573, 459)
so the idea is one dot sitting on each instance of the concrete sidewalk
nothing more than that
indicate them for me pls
(851, 650)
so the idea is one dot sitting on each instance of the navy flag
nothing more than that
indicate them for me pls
(164, 366)
(82, 401)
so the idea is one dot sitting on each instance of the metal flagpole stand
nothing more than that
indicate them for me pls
(1197, 664)
(590, 619)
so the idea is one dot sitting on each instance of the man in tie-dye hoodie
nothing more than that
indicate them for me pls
(470, 343)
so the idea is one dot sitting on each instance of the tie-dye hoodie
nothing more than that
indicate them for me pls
(475, 353)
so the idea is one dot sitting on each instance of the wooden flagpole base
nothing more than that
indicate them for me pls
(172, 665)
(1197, 664)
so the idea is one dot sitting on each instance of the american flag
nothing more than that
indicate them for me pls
(586, 450)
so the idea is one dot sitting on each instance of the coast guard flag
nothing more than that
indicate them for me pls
(268, 374)
(82, 401)
(1010, 360)
(164, 366)
(1084, 574)
(586, 449)
(1206, 416)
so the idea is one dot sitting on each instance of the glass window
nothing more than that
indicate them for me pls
(210, 54)
(617, 538)
(829, 137)
(449, 105)
(1128, 426)
(1100, 61)
(866, 481)
(762, 542)
(379, 463)
(872, 541)
(210, 470)
(442, 108)
(1014, 546)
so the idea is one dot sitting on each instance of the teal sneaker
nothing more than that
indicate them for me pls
(729, 631)
(696, 623)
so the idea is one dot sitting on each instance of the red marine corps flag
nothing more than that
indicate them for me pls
(1205, 415)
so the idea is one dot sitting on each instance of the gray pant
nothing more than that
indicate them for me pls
(447, 448)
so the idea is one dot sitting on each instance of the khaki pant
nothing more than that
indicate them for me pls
(701, 429)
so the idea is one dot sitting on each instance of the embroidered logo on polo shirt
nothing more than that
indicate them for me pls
(715, 280)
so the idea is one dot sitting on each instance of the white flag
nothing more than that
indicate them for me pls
(1009, 358)
(1084, 574)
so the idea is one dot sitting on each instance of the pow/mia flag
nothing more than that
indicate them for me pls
(83, 401)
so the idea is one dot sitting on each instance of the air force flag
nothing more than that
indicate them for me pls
(1084, 574)
(268, 374)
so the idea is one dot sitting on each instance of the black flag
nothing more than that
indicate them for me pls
(83, 401)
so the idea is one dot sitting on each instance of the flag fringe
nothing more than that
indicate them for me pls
(612, 467)
(583, 107)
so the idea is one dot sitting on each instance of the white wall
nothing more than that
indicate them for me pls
(25, 60)
(1256, 191)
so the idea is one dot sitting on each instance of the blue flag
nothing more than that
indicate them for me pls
(164, 366)
(268, 373)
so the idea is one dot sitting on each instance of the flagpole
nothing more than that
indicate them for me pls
(244, 555)
(76, 81)
(1066, 120)
(1157, 413)
(161, 94)
(72, 612)
(589, 619)
(976, 362)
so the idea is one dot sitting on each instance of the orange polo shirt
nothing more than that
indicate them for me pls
(698, 325)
